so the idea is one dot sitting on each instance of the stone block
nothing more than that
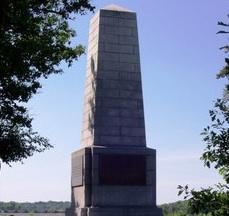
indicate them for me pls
(116, 30)
(140, 104)
(127, 22)
(110, 140)
(132, 122)
(136, 50)
(151, 178)
(107, 84)
(125, 31)
(109, 38)
(131, 76)
(94, 28)
(87, 142)
(128, 195)
(94, 21)
(107, 20)
(132, 131)
(133, 141)
(95, 161)
(93, 34)
(107, 131)
(129, 67)
(117, 103)
(92, 51)
(118, 66)
(134, 32)
(107, 121)
(117, 48)
(94, 39)
(128, 103)
(131, 58)
(86, 134)
(151, 162)
(110, 13)
(131, 94)
(108, 112)
(104, 56)
(107, 93)
(128, 40)
(137, 113)
(108, 66)
(130, 85)
(114, 75)
(124, 211)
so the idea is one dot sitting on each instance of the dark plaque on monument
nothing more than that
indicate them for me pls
(77, 171)
(122, 169)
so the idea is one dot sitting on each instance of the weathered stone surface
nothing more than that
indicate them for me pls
(113, 83)
(114, 174)
(77, 171)
(32, 214)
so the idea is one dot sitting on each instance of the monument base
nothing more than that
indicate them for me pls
(111, 181)
(118, 211)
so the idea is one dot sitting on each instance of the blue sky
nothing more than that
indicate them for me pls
(180, 56)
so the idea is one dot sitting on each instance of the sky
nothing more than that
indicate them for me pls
(180, 56)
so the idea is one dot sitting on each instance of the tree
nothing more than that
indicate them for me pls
(214, 201)
(175, 209)
(35, 38)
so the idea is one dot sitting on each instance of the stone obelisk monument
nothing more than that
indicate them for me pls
(114, 173)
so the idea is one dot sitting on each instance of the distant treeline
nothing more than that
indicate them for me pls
(36, 207)
(179, 208)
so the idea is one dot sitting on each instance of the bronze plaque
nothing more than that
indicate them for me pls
(120, 169)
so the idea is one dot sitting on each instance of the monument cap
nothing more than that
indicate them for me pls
(114, 7)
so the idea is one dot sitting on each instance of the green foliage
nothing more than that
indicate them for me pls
(175, 209)
(37, 207)
(35, 38)
(216, 136)
(214, 201)
(208, 201)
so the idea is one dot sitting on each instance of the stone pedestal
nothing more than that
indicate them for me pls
(120, 211)
(114, 173)
(114, 182)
